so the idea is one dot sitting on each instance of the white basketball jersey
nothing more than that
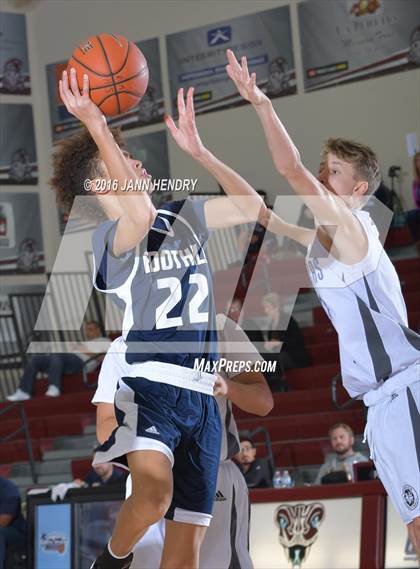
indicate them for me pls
(366, 307)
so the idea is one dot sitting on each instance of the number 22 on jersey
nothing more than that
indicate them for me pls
(175, 296)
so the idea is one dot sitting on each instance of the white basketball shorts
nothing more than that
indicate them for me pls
(393, 434)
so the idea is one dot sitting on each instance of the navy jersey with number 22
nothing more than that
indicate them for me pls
(165, 285)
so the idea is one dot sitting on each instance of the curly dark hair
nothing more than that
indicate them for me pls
(75, 159)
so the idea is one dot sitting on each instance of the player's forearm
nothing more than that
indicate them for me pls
(104, 429)
(253, 398)
(136, 204)
(285, 155)
(247, 200)
(278, 226)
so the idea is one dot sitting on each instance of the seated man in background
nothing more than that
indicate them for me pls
(338, 466)
(248, 325)
(99, 475)
(104, 475)
(12, 523)
(255, 470)
(56, 365)
(293, 351)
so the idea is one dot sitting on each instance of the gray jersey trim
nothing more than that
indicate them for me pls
(380, 359)
(415, 420)
(372, 301)
(233, 446)
(412, 338)
(234, 560)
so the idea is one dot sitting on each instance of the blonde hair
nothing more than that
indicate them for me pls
(363, 159)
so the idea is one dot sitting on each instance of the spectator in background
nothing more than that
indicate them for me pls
(343, 458)
(255, 470)
(413, 216)
(248, 325)
(104, 475)
(12, 523)
(286, 347)
(305, 219)
(253, 243)
(99, 475)
(56, 365)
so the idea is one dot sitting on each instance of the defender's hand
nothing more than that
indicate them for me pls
(186, 134)
(80, 104)
(246, 85)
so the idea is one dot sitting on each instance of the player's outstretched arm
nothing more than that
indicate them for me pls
(327, 208)
(244, 204)
(138, 209)
(248, 390)
(277, 225)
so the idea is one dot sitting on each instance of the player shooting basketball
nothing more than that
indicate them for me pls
(360, 291)
(168, 422)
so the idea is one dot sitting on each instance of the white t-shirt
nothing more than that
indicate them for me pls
(114, 367)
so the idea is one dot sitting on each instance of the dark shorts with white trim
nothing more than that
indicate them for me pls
(181, 423)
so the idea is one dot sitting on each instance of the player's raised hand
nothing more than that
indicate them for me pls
(186, 134)
(246, 84)
(79, 103)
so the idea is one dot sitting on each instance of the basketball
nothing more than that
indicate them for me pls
(117, 70)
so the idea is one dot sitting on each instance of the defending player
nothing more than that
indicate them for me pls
(169, 426)
(360, 291)
(226, 540)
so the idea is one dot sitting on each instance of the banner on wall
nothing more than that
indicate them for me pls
(198, 58)
(18, 161)
(351, 40)
(21, 245)
(149, 111)
(307, 534)
(14, 63)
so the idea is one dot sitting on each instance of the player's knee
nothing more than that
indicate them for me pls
(185, 559)
(151, 507)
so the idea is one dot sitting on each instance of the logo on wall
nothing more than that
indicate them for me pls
(218, 36)
(298, 529)
(13, 76)
(28, 256)
(7, 226)
(54, 543)
(363, 7)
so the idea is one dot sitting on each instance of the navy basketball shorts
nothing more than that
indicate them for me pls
(182, 423)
